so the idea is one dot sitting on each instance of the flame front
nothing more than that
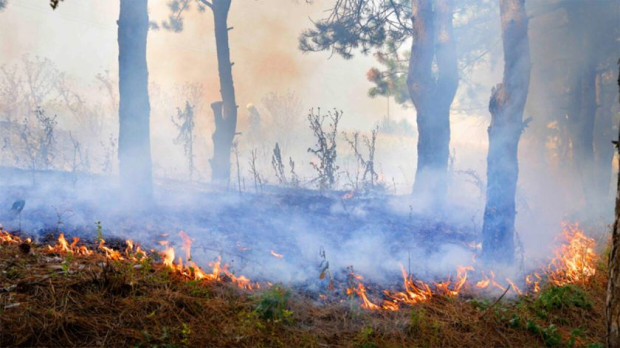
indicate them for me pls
(574, 260)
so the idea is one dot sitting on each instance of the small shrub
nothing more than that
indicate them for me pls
(562, 297)
(417, 320)
(550, 334)
(184, 123)
(272, 304)
(325, 147)
(364, 338)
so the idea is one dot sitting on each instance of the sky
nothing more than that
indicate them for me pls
(80, 37)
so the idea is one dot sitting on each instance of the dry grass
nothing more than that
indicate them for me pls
(63, 300)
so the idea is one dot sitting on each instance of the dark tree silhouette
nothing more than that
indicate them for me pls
(432, 94)
(134, 145)
(506, 107)
(574, 45)
(613, 285)
(224, 111)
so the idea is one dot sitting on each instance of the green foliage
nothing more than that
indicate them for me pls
(197, 289)
(550, 334)
(358, 24)
(562, 297)
(99, 232)
(186, 332)
(66, 263)
(272, 304)
(480, 304)
(417, 321)
(515, 322)
(391, 79)
(14, 273)
(148, 340)
(364, 337)
(574, 334)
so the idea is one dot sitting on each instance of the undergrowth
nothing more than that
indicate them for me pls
(71, 300)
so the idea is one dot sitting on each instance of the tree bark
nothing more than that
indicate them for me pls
(225, 125)
(134, 144)
(603, 153)
(432, 96)
(613, 285)
(506, 106)
(580, 118)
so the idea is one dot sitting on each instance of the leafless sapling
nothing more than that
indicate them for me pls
(325, 147)
(278, 166)
(109, 150)
(184, 122)
(77, 158)
(295, 182)
(365, 175)
(235, 149)
(258, 180)
(46, 140)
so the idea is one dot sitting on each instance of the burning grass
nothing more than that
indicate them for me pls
(70, 295)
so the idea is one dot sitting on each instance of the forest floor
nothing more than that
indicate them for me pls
(54, 298)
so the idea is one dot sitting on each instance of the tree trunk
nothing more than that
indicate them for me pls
(603, 153)
(226, 124)
(134, 144)
(506, 107)
(432, 96)
(613, 285)
(581, 116)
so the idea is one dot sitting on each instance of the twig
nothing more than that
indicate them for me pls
(494, 303)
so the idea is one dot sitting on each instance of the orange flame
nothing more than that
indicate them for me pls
(574, 260)
(63, 246)
(360, 290)
(276, 254)
(8, 238)
(187, 245)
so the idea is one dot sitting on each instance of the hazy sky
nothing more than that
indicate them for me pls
(80, 36)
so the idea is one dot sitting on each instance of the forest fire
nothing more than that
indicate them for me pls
(574, 260)
(254, 192)
(573, 263)
(134, 253)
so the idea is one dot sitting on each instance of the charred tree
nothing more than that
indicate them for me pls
(134, 144)
(506, 107)
(432, 94)
(226, 117)
(225, 110)
(612, 310)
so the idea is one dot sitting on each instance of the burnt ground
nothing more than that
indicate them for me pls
(374, 234)
(50, 299)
